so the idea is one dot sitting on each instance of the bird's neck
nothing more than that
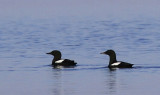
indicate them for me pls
(58, 57)
(112, 59)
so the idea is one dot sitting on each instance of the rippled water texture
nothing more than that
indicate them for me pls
(25, 68)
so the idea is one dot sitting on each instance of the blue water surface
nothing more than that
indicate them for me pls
(25, 68)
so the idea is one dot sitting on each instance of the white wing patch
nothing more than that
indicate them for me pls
(59, 61)
(116, 64)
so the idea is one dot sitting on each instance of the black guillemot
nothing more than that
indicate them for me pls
(113, 63)
(57, 61)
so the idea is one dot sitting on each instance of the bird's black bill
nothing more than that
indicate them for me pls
(48, 53)
(102, 53)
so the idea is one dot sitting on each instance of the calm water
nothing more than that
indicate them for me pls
(25, 68)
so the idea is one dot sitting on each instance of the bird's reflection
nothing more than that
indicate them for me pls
(62, 67)
(62, 85)
(60, 81)
(111, 82)
(57, 82)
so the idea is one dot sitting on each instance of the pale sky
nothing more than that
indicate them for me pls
(79, 7)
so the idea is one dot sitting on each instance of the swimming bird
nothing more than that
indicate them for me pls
(113, 63)
(57, 61)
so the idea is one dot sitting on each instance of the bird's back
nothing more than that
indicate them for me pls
(125, 65)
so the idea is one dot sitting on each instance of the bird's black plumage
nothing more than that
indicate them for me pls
(113, 61)
(57, 61)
